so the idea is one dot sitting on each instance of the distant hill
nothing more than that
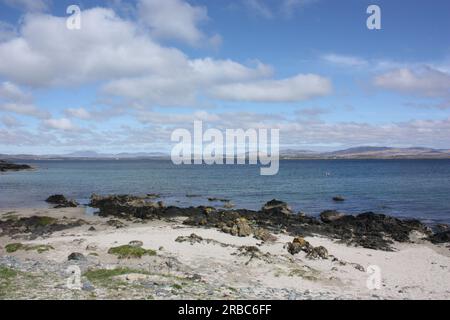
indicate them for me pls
(375, 153)
(364, 152)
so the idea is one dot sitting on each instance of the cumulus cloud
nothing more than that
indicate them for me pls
(270, 9)
(298, 88)
(60, 124)
(10, 91)
(14, 99)
(427, 82)
(10, 121)
(80, 113)
(48, 54)
(173, 19)
(29, 5)
(344, 60)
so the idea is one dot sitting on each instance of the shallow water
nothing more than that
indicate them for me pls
(404, 188)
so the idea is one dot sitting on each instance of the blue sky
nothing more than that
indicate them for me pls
(136, 70)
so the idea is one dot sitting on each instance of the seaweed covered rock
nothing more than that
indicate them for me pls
(61, 201)
(276, 207)
(440, 237)
(373, 231)
(240, 227)
(126, 205)
(8, 166)
(36, 226)
(330, 215)
(299, 244)
(263, 235)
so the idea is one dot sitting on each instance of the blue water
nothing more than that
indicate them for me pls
(403, 188)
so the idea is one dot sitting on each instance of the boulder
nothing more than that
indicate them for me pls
(8, 166)
(330, 216)
(61, 201)
(275, 207)
(76, 256)
(440, 237)
(299, 244)
(241, 228)
(264, 235)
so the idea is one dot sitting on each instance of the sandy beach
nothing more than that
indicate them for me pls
(206, 264)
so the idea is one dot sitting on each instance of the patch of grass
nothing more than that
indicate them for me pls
(311, 275)
(129, 252)
(40, 248)
(46, 221)
(7, 273)
(104, 276)
(177, 286)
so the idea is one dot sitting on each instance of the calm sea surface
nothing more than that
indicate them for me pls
(404, 188)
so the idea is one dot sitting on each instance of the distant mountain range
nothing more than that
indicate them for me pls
(371, 153)
(352, 153)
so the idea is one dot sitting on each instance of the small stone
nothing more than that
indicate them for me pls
(136, 243)
(76, 256)
(87, 286)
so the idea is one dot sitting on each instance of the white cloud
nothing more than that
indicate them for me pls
(24, 109)
(80, 113)
(10, 121)
(271, 9)
(48, 54)
(427, 82)
(10, 91)
(298, 88)
(173, 19)
(7, 31)
(14, 99)
(60, 124)
(29, 5)
(344, 60)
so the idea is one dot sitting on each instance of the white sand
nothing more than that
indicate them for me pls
(414, 271)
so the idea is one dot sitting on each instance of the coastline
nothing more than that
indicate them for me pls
(206, 262)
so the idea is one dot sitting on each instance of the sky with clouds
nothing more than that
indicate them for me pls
(138, 69)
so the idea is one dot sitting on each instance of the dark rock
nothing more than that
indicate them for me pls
(442, 227)
(36, 226)
(318, 253)
(61, 201)
(218, 200)
(8, 166)
(338, 199)
(240, 227)
(299, 244)
(440, 237)
(192, 239)
(92, 229)
(276, 207)
(264, 235)
(126, 205)
(330, 216)
(115, 223)
(76, 256)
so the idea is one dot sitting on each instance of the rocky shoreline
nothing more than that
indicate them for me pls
(136, 247)
(368, 230)
(8, 166)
